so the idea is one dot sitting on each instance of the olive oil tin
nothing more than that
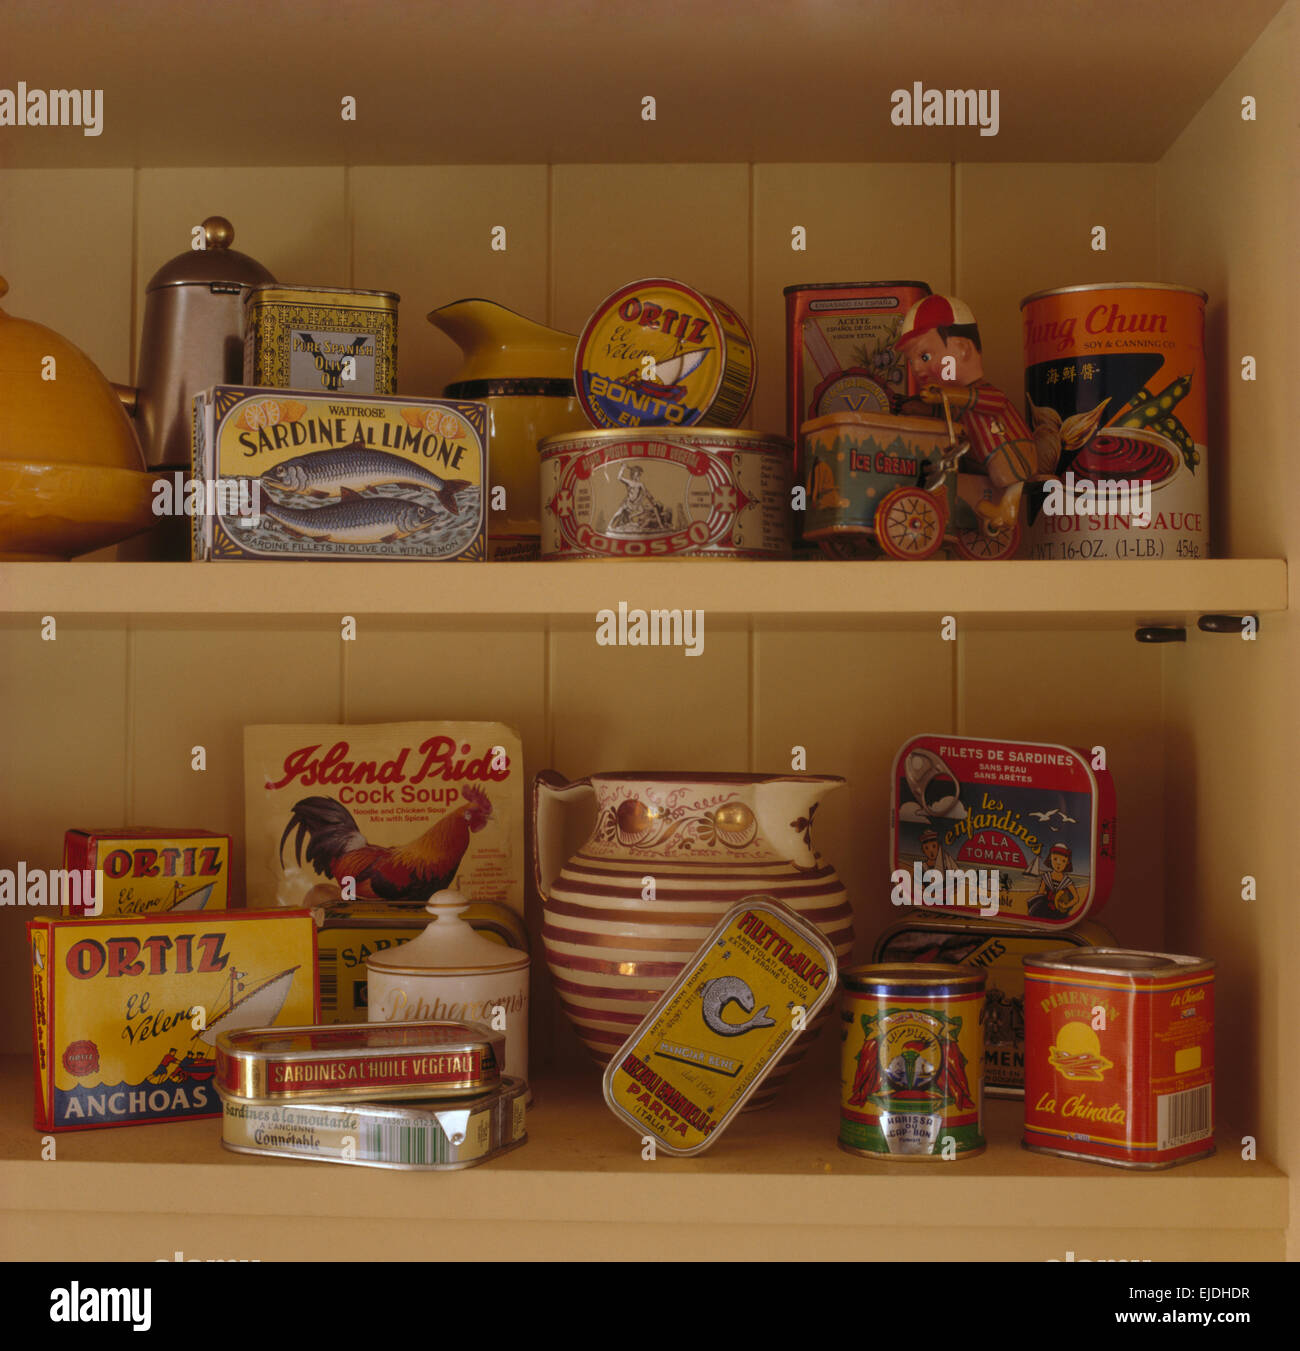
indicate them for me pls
(431, 1135)
(658, 353)
(913, 1063)
(322, 339)
(997, 950)
(1119, 1057)
(699, 493)
(756, 982)
(359, 1060)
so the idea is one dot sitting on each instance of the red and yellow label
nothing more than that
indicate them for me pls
(1120, 1068)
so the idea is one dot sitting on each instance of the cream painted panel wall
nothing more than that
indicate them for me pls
(66, 252)
(427, 234)
(863, 222)
(1232, 722)
(1022, 228)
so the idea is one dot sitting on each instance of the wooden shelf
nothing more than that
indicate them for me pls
(1095, 593)
(777, 1177)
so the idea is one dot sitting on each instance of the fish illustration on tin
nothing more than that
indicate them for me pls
(355, 519)
(325, 473)
(715, 995)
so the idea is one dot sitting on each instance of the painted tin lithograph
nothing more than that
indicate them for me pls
(321, 339)
(1115, 394)
(323, 476)
(1119, 1057)
(429, 1135)
(657, 353)
(1029, 824)
(997, 950)
(913, 1063)
(666, 494)
(359, 1060)
(721, 1027)
(148, 870)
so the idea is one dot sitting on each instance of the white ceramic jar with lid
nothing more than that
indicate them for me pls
(450, 972)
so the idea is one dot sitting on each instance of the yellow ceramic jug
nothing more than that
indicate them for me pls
(523, 371)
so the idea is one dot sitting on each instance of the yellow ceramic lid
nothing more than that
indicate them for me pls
(56, 407)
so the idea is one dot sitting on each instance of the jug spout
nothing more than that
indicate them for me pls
(786, 808)
(499, 344)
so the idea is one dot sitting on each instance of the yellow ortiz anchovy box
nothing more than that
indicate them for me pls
(150, 870)
(286, 474)
(126, 1011)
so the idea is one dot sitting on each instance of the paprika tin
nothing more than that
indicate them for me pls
(912, 1082)
(658, 353)
(1115, 394)
(322, 339)
(997, 950)
(1119, 1057)
(359, 1060)
(703, 493)
(432, 1135)
(1023, 830)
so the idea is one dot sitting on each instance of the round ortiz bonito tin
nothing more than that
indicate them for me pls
(710, 492)
(1115, 394)
(1119, 1056)
(912, 1082)
(657, 353)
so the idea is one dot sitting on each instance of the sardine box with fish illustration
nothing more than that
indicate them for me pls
(283, 474)
(126, 1011)
(384, 814)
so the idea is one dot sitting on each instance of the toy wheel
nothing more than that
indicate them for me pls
(980, 545)
(910, 523)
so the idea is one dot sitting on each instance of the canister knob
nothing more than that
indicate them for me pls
(218, 232)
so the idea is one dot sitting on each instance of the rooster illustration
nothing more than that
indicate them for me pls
(410, 872)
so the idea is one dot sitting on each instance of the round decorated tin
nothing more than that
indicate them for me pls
(1119, 1056)
(658, 353)
(359, 1060)
(428, 1135)
(912, 1083)
(1115, 395)
(705, 492)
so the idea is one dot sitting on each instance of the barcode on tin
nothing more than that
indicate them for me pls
(329, 990)
(1184, 1117)
(726, 407)
(396, 1142)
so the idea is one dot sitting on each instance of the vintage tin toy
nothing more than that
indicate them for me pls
(1023, 830)
(359, 1060)
(913, 1064)
(877, 483)
(1115, 383)
(1119, 1057)
(701, 493)
(658, 353)
(127, 1011)
(148, 869)
(329, 476)
(997, 950)
(430, 1135)
(321, 339)
(759, 978)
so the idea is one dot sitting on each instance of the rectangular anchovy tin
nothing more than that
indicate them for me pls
(721, 1027)
(359, 1060)
(428, 1135)
(321, 338)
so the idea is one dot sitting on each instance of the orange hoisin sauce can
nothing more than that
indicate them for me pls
(1119, 1056)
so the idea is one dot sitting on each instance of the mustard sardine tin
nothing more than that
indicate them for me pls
(756, 982)
(374, 1061)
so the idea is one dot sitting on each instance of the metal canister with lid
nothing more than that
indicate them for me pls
(912, 1082)
(1119, 1056)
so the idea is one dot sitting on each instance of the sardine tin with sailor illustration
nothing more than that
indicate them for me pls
(721, 1027)
(341, 477)
(1038, 816)
(149, 870)
(127, 1011)
(658, 353)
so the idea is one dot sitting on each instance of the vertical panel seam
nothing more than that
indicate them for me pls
(133, 310)
(952, 226)
(128, 722)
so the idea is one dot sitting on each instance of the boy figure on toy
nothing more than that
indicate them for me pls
(941, 343)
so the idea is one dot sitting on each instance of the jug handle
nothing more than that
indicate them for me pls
(129, 397)
(549, 791)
